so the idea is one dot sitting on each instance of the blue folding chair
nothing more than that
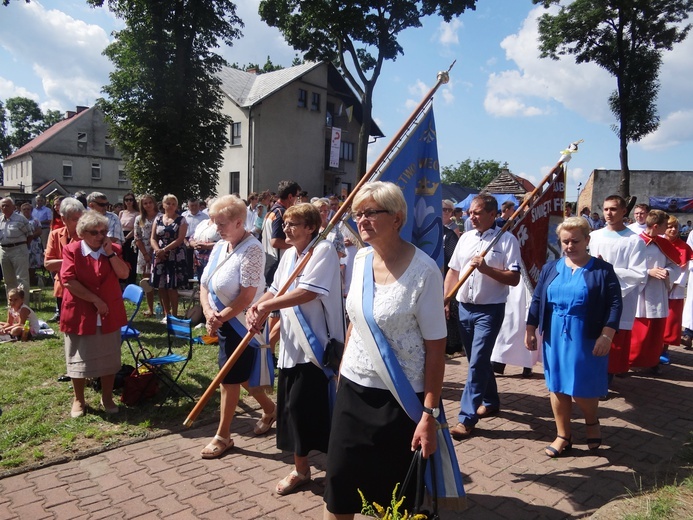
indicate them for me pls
(133, 294)
(179, 338)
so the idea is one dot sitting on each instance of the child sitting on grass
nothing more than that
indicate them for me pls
(17, 314)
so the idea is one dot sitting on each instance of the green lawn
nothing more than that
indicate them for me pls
(35, 424)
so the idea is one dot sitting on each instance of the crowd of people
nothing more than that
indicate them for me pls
(612, 303)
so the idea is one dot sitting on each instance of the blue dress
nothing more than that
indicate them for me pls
(569, 365)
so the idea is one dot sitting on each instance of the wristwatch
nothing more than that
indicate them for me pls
(111, 255)
(435, 412)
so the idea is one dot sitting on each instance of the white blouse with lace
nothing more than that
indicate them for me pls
(245, 267)
(408, 311)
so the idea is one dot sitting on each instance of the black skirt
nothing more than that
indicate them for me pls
(303, 410)
(228, 341)
(370, 449)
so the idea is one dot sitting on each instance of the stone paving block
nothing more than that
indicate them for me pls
(55, 496)
(6, 513)
(135, 507)
(33, 510)
(16, 483)
(66, 510)
(170, 477)
(44, 481)
(108, 513)
(23, 497)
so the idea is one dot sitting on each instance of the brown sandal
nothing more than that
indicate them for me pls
(292, 482)
(265, 422)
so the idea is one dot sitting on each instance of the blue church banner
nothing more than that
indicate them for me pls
(672, 204)
(415, 169)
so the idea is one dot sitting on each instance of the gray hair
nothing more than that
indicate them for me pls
(387, 195)
(95, 195)
(70, 206)
(573, 223)
(90, 220)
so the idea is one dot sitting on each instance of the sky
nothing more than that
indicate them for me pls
(503, 102)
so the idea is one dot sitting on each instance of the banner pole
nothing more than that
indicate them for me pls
(442, 78)
(565, 157)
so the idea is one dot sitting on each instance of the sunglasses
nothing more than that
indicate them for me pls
(94, 232)
(102, 204)
(128, 200)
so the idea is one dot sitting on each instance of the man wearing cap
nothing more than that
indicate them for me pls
(15, 232)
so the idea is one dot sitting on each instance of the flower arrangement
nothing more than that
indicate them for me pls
(393, 512)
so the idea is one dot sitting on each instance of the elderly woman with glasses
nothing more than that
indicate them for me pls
(395, 305)
(93, 310)
(311, 314)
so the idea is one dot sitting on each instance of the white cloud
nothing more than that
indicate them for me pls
(535, 84)
(673, 130)
(447, 32)
(8, 89)
(63, 52)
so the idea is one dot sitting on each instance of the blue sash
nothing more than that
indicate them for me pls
(448, 476)
(262, 371)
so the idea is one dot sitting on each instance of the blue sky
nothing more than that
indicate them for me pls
(503, 102)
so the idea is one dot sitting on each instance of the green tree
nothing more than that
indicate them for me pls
(25, 118)
(268, 67)
(164, 97)
(358, 35)
(627, 39)
(5, 148)
(472, 174)
(50, 117)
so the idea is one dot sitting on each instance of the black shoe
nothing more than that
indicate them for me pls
(527, 372)
(498, 368)
(552, 452)
(64, 379)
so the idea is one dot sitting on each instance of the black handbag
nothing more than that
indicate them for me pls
(334, 350)
(417, 469)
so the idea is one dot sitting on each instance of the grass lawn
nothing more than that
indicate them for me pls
(36, 426)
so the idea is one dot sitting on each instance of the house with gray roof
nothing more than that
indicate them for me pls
(282, 128)
(76, 152)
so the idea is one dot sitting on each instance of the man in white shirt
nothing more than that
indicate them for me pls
(44, 215)
(251, 212)
(193, 216)
(623, 249)
(99, 203)
(15, 231)
(639, 214)
(482, 300)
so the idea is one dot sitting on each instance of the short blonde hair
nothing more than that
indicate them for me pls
(672, 220)
(228, 206)
(91, 220)
(573, 223)
(321, 202)
(656, 216)
(387, 195)
(169, 196)
(308, 213)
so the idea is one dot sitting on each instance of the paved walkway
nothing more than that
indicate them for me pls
(506, 474)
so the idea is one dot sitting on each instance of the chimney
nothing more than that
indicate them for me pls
(81, 108)
(69, 114)
(252, 71)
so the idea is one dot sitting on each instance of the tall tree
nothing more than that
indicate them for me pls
(164, 97)
(50, 117)
(5, 147)
(472, 174)
(626, 38)
(25, 117)
(358, 35)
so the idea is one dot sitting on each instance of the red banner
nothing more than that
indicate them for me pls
(535, 230)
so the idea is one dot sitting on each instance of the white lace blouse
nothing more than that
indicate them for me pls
(408, 311)
(245, 267)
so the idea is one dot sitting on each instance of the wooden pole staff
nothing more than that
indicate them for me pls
(565, 157)
(442, 78)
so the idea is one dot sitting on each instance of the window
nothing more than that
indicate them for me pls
(122, 176)
(315, 102)
(302, 98)
(82, 137)
(96, 171)
(67, 169)
(347, 151)
(235, 134)
(235, 181)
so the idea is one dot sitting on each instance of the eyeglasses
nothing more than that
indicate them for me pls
(291, 225)
(102, 204)
(447, 210)
(128, 200)
(370, 214)
(94, 232)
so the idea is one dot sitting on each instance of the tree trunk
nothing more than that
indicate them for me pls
(624, 187)
(365, 132)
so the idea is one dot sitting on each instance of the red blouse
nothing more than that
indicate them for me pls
(78, 316)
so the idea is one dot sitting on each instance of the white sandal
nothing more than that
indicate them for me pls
(292, 482)
(265, 423)
(214, 451)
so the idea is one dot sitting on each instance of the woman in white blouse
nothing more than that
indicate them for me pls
(395, 304)
(231, 281)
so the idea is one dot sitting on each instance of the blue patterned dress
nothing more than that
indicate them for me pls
(171, 272)
(569, 365)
